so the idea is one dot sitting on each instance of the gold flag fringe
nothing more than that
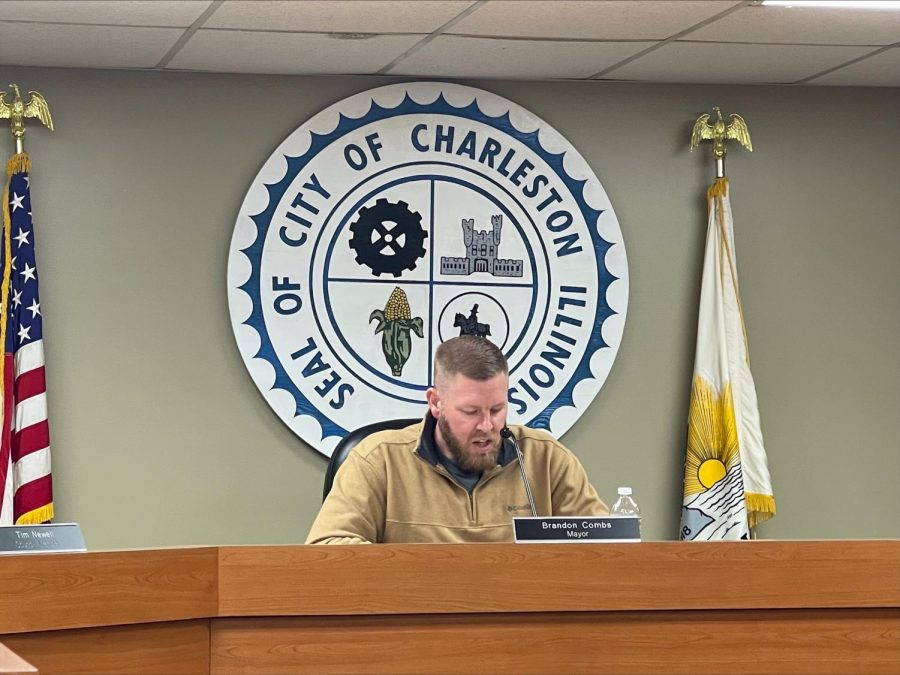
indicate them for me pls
(12, 167)
(759, 508)
(716, 194)
(18, 163)
(718, 189)
(43, 514)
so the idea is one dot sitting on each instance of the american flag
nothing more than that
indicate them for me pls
(26, 490)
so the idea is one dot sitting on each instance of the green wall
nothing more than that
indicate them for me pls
(160, 438)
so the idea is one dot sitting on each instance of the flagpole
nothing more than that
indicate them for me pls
(24, 453)
(727, 489)
(719, 134)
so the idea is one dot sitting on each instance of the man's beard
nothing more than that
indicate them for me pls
(468, 461)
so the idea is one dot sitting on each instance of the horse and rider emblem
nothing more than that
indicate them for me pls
(404, 216)
(469, 325)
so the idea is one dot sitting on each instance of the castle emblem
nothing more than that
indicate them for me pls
(481, 252)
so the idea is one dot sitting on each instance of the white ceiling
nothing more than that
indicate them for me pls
(681, 41)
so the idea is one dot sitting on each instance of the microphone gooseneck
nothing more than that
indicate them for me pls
(507, 434)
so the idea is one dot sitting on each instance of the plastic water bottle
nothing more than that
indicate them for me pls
(625, 505)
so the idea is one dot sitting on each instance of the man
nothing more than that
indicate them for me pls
(452, 477)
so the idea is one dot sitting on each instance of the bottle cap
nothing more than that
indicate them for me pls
(624, 491)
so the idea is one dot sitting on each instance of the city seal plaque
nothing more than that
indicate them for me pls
(409, 214)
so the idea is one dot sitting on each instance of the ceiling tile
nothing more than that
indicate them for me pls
(881, 70)
(338, 16)
(228, 51)
(804, 26)
(523, 39)
(588, 19)
(137, 13)
(715, 63)
(85, 46)
(454, 56)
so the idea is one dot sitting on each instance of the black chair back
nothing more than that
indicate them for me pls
(351, 440)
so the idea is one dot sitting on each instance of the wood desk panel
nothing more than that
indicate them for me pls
(172, 648)
(760, 607)
(77, 590)
(761, 642)
(441, 578)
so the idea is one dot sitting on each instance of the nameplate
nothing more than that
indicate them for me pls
(55, 538)
(574, 529)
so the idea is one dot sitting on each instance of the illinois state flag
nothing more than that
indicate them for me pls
(26, 491)
(727, 489)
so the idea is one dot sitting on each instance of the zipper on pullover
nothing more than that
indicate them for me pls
(473, 508)
(441, 469)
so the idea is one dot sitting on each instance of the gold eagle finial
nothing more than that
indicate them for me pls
(18, 110)
(718, 133)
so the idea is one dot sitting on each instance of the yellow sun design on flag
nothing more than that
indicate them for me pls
(712, 447)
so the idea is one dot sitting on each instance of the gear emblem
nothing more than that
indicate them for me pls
(388, 237)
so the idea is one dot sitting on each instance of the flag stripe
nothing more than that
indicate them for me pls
(30, 384)
(31, 439)
(33, 466)
(30, 356)
(33, 495)
(31, 411)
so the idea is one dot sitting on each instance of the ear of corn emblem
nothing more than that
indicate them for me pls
(395, 323)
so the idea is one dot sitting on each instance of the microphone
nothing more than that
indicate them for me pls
(507, 434)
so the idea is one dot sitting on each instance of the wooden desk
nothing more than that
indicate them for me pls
(749, 607)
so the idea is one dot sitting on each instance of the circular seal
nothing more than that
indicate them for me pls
(404, 216)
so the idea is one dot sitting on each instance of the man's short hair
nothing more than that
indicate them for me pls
(474, 357)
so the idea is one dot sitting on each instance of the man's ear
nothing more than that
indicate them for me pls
(434, 402)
